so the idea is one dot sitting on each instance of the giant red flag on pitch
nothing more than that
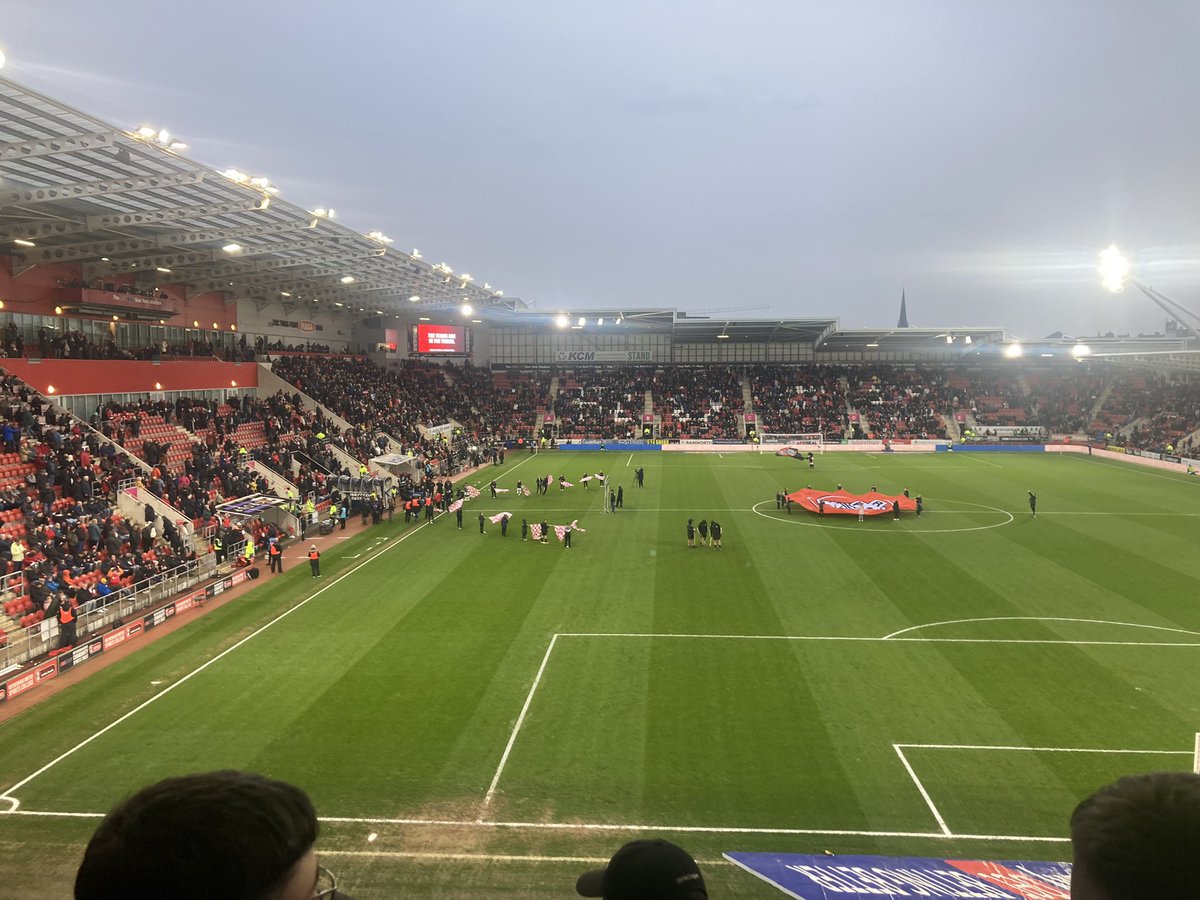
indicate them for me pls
(844, 503)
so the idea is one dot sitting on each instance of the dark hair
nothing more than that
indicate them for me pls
(234, 835)
(1140, 837)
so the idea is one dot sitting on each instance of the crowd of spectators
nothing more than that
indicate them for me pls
(1151, 412)
(1062, 402)
(600, 401)
(898, 402)
(699, 402)
(800, 399)
(62, 540)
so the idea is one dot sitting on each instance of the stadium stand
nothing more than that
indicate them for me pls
(699, 402)
(800, 399)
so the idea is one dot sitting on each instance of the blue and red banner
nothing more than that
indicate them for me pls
(872, 877)
(844, 503)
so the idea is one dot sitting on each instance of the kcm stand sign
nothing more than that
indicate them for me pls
(875, 877)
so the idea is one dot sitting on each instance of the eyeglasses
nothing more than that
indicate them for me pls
(326, 885)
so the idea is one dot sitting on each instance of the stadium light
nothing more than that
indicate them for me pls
(582, 321)
(348, 279)
(467, 309)
(1115, 273)
(232, 248)
(21, 242)
(1081, 350)
(414, 299)
(561, 321)
(1113, 268)
(1014, 351)
(3, 59)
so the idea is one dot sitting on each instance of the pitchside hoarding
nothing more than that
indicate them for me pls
(874, 877)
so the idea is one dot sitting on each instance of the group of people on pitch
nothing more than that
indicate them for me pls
(710, 533)
(244, 836)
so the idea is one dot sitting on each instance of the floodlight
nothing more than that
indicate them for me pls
(414, 299)
(3, 59)
(582, 321)
(467, 309)
(1014, 351)
(561, 321)
(348, 279)
(146, 131)
(232, 248)
(1113, 269)
(21, 242)
(1080, 350)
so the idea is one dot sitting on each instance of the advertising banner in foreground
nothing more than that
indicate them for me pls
(855, 877)
(843, 503)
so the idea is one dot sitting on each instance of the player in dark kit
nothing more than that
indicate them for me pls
(691, 533)
(703, 529)
(716, 534)
(896, 510)
(1033, 503)
(640, 475)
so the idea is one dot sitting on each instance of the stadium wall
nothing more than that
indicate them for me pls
(73, 377)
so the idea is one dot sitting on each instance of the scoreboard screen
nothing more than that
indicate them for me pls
(445, 340)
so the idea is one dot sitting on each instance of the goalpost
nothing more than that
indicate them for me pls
(770, 442)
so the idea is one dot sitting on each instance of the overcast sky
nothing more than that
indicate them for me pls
(808, 158)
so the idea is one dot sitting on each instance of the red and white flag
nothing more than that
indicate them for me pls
(456, 505)
(560, 530)
(495, 520)
(535, 531)
(586, 478)
(575, 527)
(501, 490)
(472, 491)
(566, 484)
(525, 491)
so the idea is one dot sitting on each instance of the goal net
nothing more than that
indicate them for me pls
(805, 441)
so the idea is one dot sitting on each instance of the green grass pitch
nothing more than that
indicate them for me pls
(500, 712)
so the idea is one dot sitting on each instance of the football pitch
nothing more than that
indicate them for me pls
(498, 713)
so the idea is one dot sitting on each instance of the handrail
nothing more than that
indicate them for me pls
(34, 640)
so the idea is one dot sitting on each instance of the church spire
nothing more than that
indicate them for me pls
(903, 323)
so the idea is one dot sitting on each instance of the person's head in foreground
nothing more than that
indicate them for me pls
(1138, 838)
(645, 870)
(233, 835)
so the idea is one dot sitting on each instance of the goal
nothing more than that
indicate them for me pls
(771, 442)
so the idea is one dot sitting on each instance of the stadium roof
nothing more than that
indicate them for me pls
(857, 340)
(685, 327)
(76, 189)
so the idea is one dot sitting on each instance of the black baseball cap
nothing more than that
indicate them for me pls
(646, 870)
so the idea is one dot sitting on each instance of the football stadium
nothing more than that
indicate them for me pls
(502, 586)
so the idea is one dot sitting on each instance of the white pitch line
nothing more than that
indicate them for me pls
(619, 826)
(512, 738)
(971, 456)
(895, 634)
(7, 795)
(629, 461)
(924, 793)
(878, 640)
(1044, 749)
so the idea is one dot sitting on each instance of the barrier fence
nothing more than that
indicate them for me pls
(92, 617)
